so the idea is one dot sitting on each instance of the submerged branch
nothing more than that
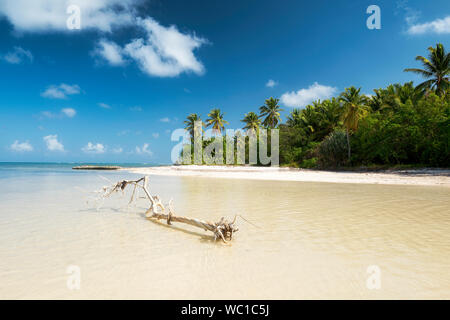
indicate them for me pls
(222, 229)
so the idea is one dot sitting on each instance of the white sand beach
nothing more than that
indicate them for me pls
(420, 177)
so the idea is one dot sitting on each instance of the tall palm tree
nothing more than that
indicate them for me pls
(271, 111)
(354, 110)
(436, 68)
(190, 123)
(251, 121)
(216, 120)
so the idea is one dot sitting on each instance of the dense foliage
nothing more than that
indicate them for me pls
(395, 129)
(398, 125)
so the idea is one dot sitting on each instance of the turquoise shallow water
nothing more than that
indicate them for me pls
(11, 169)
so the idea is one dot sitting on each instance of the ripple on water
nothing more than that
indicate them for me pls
(312, 240)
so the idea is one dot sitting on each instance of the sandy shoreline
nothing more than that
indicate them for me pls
(422, 177)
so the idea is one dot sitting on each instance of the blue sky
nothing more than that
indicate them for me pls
(114, 90)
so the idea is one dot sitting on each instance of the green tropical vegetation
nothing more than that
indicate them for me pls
(355, 108)
(190, 123)
(435, 68)
(252, 121)
(216, 120)
(271, 113)
(401, 124)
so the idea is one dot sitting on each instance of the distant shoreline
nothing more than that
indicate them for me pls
(418, 177)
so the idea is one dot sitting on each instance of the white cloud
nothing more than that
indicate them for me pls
(144, 149)
(162, 52)
(18, 55)
(65, 112)
(271, 83)
(69, 112)
(21, 146)
(438, 26)
(110, 52)
(303, 97)
(411, 14)
(166, 52)
(48, 114)
(51, 15)
(164, 119)
(104, 105)
(70, 89)
(155, 135)
(117, 150)
(61, 91)
(53, 144)
(94, 148)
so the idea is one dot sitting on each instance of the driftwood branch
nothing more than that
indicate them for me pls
(223, 229)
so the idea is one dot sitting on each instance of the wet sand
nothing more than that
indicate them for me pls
(420, 177)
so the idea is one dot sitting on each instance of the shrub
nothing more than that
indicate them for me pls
(332, 152)
(309, 163)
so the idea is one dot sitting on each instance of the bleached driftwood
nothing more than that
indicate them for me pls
(223, 229)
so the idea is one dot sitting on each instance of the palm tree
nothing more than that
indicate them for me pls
(216, 120)
(354, 110)
(436, 69)
(330, 112)
(252, 121)
(190, 123)
(309, 118)
(405, 92)
(271, 111)
(293, 119)
(393, 96)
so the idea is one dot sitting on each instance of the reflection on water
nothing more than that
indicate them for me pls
(312, 240)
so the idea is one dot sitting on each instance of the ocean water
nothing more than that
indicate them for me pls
(306, 240)
(13, 169)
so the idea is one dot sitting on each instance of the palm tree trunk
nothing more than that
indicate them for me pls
(348, 147)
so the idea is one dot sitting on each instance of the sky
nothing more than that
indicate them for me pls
(113, 85)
